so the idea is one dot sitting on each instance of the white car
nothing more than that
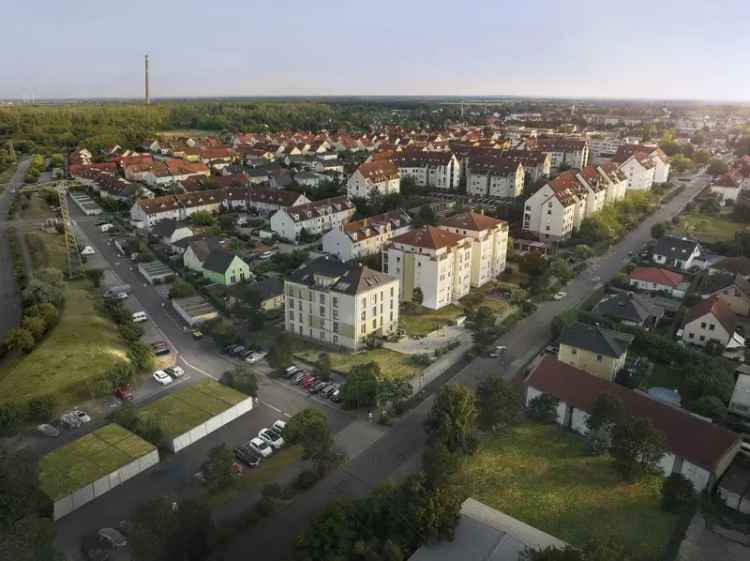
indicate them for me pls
(266, 255)
(560, 295)
(272, 437)
(82, 415)
(279, 425)
(260, 446)
(175, 371)
(88, 250)
(162, 378)
(255, 357)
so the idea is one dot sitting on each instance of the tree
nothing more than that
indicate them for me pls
(280, 354)
(40, 292)
(637, 447)
(242, 378)
(519, 296)
(592, 550)
(681, 163)
(218, 468)
(659, 230)
(562, 321)
(324, 365)
(699, 381)
(309, 428)
(606, 412)
(20, 339)
(223, 332)
(499, 404)
(392, 392)
(361, 386)
(417, 296)
(95, 276)
(717, 167)
(181, 289)
(439, 464)
(543, 408)
(202, 218)
(34, 325)
(452, 420)
(426, 216)
(677, 492)
(708, 406)
(583, 252)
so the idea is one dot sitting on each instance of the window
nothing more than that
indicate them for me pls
(374, 310)
(335, 314)
(322, 298)
(363, 315)
(703, 325)
(375, 323)
(336, 339)
(391, 292)
(574, 351)
(335, 327)
(599, 358)
(364, 302)
(702, 337)
(291, 315)
(363, 329)
(322, 311)
(711, 327)
(690, 335)
(335, 302)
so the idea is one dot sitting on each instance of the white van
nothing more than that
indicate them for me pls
(106, 227)
(139, 317)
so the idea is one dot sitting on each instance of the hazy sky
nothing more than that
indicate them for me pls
(659, 48)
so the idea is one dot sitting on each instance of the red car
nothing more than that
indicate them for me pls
(309, 381)
(123, 393)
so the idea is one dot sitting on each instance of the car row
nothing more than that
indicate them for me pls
(248, 355)
(313, 384)
(269, 439)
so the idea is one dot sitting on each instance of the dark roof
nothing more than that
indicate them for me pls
(700, 442)
(218, 261)
(165, 228)
(202, 247)
(675, 248)
(720, 310)
(626, 306)
(739, 265)
(270, 287)
(596, 339)
(347, 278)
(711, 284)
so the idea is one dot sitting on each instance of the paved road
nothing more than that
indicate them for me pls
(399, 450)
(9, 299)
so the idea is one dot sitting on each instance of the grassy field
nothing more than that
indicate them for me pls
(392, 364)
(37, 209)
(709, 228)
(256, 478)
(88, 459)
(83, 345)
(542, 476)
(424, 320)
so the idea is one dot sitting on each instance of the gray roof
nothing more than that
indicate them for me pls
(270, 287)
(346, 278)
(719, 281)
(675, 248)
(596, 339)
(165, 228)
(627, 306)
(202, 247)
(485, 534)
(218, 261)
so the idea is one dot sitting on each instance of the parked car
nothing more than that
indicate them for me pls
(113, 537)
(247, 455)
(74, 419)
(46, 429)
(560, 295)
(139, 317)
(238, 350)
(290, 371)
(123, 393)
(300, 376)
(162, 378)
(552, 349)
(175, 372)
(266, 255)
(88, 250)
(255, 357)
(279, 425)
(271, 437)
(315, 388)
(309, 381)
(197, 334)
(337, 396)
(328, 390)
(94, 548)
(260, 446)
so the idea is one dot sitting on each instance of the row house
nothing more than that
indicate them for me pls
(361, 238)
(340, 304)
(430, 169)
(262, 200)
(316, 218)
(489, 243)
(375, 176)
(496, 176)
(165, 172)
(147, 212)
(430, 262)
(568, 152)
(110, 187)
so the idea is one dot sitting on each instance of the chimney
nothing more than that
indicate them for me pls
(148, 93)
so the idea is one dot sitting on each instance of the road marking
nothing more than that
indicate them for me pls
(182, 358)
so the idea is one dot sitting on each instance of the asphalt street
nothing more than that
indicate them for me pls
(403, 444)
(9, 299)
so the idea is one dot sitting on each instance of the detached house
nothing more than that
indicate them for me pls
(630, 309)
(367, 236)
(224, 267)
(489, 243)
(732, 288)
(677, 253)
(315, 218)
(654, 279)
(375, 176)
(698, 449)
(709, 320)
(598, 351)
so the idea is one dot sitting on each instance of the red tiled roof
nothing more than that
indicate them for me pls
(658, 275)
(716, 307)
(700, 442)
(429, 237)
(470, 220)
(379, 170)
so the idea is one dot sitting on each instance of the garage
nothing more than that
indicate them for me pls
(195, 310)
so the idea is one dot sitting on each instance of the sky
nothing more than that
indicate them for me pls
(658, 49)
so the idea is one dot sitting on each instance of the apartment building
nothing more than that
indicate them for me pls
(366, 237)
(595, 185)
(489, 243)
(536, 164)
(376, 176)
(315, 218)
(432, 262)
(496, 176)
(263, 200)
(429, 169)
(569, 152)
(639, 168)
(617, 184)
(147, 212)
(556, 210)
(658, 158)
(340, 304)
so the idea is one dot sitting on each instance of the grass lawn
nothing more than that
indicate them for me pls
(83, 345)
(392, 364)
(542, 476)
(662, 376)
(424, 320)
(37, 209)
(256, 478)
(709, 228)
(7, 175)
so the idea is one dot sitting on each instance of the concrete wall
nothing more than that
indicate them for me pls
(212, 424)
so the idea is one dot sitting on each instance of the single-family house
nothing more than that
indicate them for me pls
(600, 352)
(631, 309)
(656, 279)
(732, 288)
(224, 267)
(676, 253)
(197, 251)
(709, 320)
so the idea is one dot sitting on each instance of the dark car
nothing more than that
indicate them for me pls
(238, 350)
(94, 548)
(315, 388)
(328, 390)
(123, 393)
(160, 348)
(228, 349)
(247, 456)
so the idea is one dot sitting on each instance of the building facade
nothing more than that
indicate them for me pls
(430, 169)
(375, 176)
(316, 218)
(365, 237)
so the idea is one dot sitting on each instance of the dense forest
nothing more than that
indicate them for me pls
(50, 129)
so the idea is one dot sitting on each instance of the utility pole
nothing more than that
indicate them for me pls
(148, 93)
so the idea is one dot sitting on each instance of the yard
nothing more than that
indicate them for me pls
(418, 321)
(709, 228)
(662, 376)
(82, 346)
(392, 364)
(37, 208)
(543, 476)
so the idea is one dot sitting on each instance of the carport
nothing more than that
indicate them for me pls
(156, 272)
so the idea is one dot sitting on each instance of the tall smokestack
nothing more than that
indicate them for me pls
(148, 93)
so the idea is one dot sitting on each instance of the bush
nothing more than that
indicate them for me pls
(41, 409)
(543, 408)
(677, 492)
(11, 418)
(600, 441)
(265, 507)
(306, 479)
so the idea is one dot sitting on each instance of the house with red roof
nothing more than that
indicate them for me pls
(696, 448)
(431, 261)
(375, 176)
(361, 238)
(659, 159)
(711, 320)
(656, 279)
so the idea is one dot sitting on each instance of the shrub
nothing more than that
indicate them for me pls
(306, 479)
(543, 408)
(265, 507)
(34, 325)
(41, 409)
(600, 441)
(677, 492)
(10, 418)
